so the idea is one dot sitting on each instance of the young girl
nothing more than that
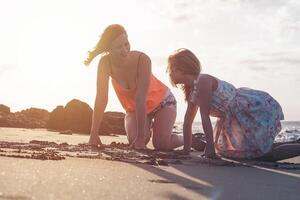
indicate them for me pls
(248, 120)
(143, 96)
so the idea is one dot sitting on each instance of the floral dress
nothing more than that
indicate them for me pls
(251, 120)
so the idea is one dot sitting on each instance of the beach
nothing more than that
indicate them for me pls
(69, 69)
(104, 174)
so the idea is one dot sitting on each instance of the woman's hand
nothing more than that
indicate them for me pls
(95, 140)
(138, 143)
(183, 152)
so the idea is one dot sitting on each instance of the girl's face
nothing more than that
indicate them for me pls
(176, 74)
(120, 47)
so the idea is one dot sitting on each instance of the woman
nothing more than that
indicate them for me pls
(248, 120)
(143, 97)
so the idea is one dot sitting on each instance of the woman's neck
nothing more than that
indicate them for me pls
(117, 62)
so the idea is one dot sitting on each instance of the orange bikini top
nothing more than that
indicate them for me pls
(155, 95)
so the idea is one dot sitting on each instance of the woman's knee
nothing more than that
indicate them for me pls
(162, 143)
(131, 128)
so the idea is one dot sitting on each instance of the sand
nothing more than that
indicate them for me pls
(38, 164)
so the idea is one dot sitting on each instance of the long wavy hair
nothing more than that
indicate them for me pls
(109, 34)
(187, 63)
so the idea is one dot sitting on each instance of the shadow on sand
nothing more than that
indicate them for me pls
(212, 179)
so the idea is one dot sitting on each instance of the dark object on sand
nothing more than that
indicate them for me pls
(198, 141)
(29, 118)
(77, 117)
(4, 109)
(112, 123)
(66, 132)
(45, 150)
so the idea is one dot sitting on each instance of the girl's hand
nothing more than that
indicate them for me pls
(182, 152)
(95, 140)
(210, 153)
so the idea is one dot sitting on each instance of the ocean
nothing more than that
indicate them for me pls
(290, 130)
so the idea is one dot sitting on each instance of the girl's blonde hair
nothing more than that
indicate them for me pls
(185, 61)
(109, 34)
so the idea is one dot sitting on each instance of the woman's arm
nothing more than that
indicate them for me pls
(143, 82)
(187, 126)
(100, 102)
(205, 88)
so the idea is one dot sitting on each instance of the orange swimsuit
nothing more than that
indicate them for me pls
(156, 93)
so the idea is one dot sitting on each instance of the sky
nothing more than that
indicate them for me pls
(252, 44)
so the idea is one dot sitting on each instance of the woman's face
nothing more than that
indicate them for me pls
(120, 47)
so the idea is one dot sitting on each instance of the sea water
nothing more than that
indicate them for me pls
(290, 130)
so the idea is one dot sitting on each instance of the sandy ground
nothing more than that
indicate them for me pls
(133, 177)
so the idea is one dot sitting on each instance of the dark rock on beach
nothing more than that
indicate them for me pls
(29, 118)
(57, 119)
(75, 116)
(35, 113)
(112, 123)
(4, 109)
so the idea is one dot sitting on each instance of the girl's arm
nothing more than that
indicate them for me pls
(143, 82)
(100, 102)
(205, 85)
(187, 126)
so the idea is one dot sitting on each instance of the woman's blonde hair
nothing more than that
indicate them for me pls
(186, 62)
(109, 34)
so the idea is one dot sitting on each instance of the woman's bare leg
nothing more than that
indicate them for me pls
(163, 138)
(131, 127)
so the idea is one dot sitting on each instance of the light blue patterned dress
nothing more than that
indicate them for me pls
(251, 122)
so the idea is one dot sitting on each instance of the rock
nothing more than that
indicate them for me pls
(112, 123)
(4, 109)
(29, 118)
(57, 119)
(66, 132)
(36, 113)
(76, 116)
(3, 121)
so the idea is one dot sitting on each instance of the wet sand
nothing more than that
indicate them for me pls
(38, 164)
